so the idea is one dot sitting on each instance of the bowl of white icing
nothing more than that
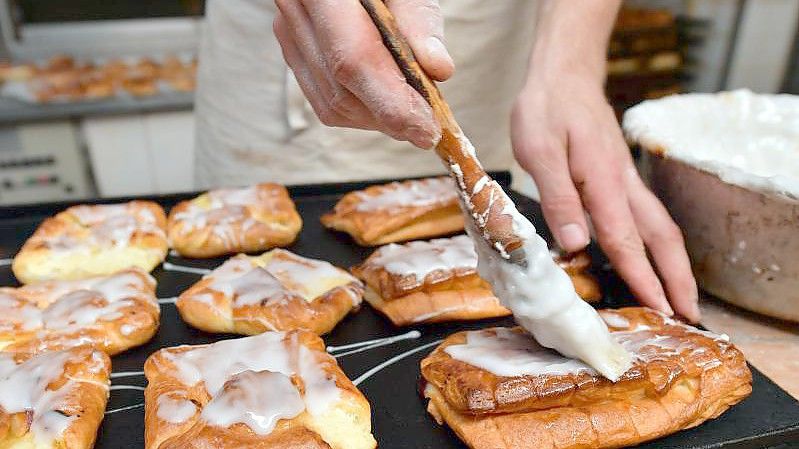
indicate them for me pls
(726, 166)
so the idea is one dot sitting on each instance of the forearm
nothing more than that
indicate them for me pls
(572, 37)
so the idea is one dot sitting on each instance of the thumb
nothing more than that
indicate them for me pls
(422, 24)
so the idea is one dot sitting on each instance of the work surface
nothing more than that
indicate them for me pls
(389, 374)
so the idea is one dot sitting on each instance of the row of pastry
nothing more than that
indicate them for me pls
(280, 385)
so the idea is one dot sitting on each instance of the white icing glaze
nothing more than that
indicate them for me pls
(256, 399)
(420, 258)
(24, 388)
(746, 139)
(507, 353)
(175, 408)
(225, 208)
(422, 192)
(72, 305)
(108, 225)
(540, 294)
(281, 276)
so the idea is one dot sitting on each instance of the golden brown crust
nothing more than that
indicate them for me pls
(576, 266)
(86, 378)
(53, 315)
(404, 217)
(282, 307)
(212, 224)
(195, 433)
(452, 293)
(94, 240)
(438, 306)
(664, 394)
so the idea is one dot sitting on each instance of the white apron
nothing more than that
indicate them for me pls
(253, 123)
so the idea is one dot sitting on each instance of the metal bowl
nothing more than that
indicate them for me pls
(743, 241)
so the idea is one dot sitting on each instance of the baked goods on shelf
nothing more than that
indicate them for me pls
(112, 313)
(277, 290)
(93, 240)
(52, 400)
(437, 280)
(498, 388)
(398, 211)
(275, 390)
(229, 221)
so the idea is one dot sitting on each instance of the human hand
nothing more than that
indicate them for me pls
(347, 74)
(566, 136)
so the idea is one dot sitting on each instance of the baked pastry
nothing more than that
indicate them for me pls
(229, 221)
(398, 211)
(576, 265)
(52, 400)
(112, 313)
(497, 388)
(93, 240)
(436, 280)
(276, 390)
(277, 290)
(428, 282)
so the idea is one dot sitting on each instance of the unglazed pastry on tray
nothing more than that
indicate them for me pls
(230, 221)
(112, 313)
(94, 240)
(497, 388)
(277, 390)
(436, 280)
(53, 400)
(398, 211)
(277, 290)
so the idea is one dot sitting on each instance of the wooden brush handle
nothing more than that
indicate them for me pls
(489, 202)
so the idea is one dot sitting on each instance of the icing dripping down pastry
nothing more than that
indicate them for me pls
(540, 295)
(421, 192)
(509, 353)
(249, 380)
(33, 387)
(275, 275)
(420, 258)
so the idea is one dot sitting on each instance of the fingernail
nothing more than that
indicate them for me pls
(437, 50)
(421, 137)
(572, 237)
(665, 304)
(696, 312)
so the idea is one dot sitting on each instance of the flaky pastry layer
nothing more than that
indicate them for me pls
(681, 377)
(67, 398)
(94, 240)
(229, 221)
(398, 211)
(275, 291)
(111, 313)
(343, 424)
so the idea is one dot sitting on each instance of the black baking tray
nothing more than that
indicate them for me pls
(768, 417)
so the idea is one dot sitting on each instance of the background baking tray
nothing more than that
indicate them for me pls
(769, 416)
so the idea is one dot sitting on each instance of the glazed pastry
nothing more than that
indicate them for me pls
(576, 265)
(428, 282)
(436, 280)
(54, 400)
(85, 241)
(276, 390)
(112, 313)
(277, 290)
(229, 221)
(497, 388)
(398, 211)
